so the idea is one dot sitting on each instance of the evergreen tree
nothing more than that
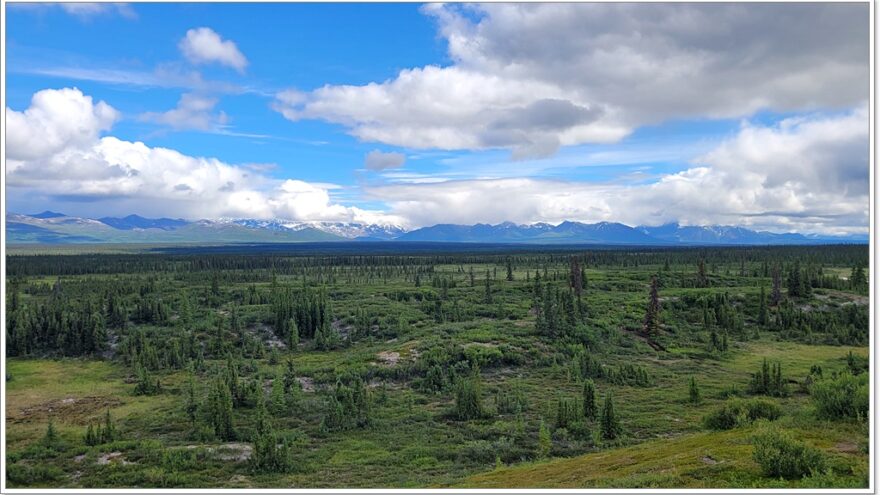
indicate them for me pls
(509, 270)
(776, 290)
(652, 313)
(693, 392)
(591, 409)
(702, 278)
(220, 412)
(192, 405)
(487, 298)
(762, 308)
(610, 424)
(108, 432)
(576, 276)
(292, 335)
(468, 404)
(278, 397)
(50, 438)
(544, 441)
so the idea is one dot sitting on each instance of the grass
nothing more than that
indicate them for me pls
(412, 440)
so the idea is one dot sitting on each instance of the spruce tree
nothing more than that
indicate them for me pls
(652, 313)
(762, 308)
(776, 290)
(693, 392)
(487, 298)
(544, 441)
(221, 410)
(610, 424)
(591, 409)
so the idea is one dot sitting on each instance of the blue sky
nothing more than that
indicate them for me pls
(464, 113)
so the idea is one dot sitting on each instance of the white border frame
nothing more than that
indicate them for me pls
(872, 316)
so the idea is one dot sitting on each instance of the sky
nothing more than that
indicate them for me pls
(413, 115)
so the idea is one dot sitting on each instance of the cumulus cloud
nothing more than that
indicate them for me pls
(533, 77)
(193, 111)
(808, 174)
(55, 148)
(55, 120)
(203, 46)
(377, 160)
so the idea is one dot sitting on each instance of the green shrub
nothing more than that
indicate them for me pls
(723, 418)
(468, 404)
(762, 409)
(739, 412)
(24, 475)
(780, 455)
(845, 396)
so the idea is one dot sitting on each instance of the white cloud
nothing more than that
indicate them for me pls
(202, 46)
(808, 175)
(377, 160)
(87, 11)
(533, 77)
(55, 149)
(193, 111)
(56, 119)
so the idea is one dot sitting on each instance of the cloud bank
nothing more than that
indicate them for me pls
(55, 148)
(533, 77)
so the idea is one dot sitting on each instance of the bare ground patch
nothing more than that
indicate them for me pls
(388, 358)
(71, 409)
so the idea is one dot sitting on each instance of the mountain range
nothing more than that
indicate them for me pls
(50, 227)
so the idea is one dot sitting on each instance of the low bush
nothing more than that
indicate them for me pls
(741, 412)
(845, 396)
(780, 455)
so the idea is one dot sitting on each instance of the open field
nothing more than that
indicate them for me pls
(443, 370)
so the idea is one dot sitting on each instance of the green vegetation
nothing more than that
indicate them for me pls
(527, 368)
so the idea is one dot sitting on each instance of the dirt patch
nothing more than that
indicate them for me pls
(388, 358)
(639, 335)
(266, 334)
(112, 344)
(707, 459)
(79, 458)
(343, 329)
(308, 385)
(846, 447)
(232, 451)
(237, 452)
(112, 458)
(487, 345)
(71, 409)
(239, 479)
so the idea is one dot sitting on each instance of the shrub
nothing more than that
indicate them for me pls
(271, 454)
(468, 404)
(762, 409)
(780, 455)
(845, 396)
(768, 381)
(738, 412)
(723, 418)
(24, 475)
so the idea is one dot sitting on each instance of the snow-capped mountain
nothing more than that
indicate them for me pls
(53, 228)
(346, 230)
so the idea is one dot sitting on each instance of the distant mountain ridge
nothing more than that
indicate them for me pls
(57, 228)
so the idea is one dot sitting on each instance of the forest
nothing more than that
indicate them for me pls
(739, 367)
